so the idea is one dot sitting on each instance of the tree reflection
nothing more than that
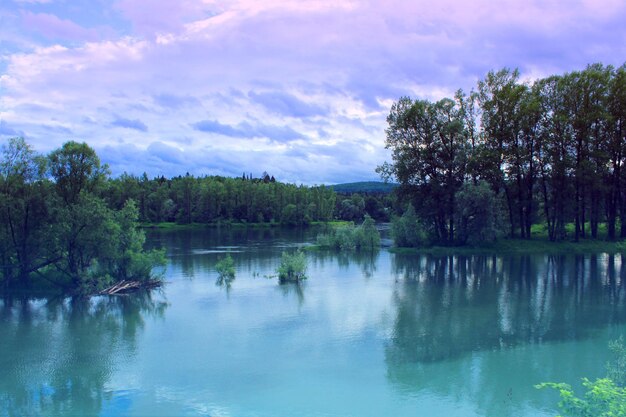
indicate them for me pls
(445, 311)
(366, 260)
(58, 354)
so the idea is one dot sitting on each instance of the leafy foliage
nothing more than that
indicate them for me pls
(347, 238)
(477, 214)
(63, 231)
(407, 230)
(225, 268)
(292, 267)
(365, 187)
(213, 199)
(603, 398)
(550, 151)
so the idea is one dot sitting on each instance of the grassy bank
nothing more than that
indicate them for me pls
(522, 246)
(195, 226)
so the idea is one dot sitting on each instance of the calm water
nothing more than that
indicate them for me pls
(378, 335)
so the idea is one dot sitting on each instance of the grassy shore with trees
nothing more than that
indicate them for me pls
(498, 161)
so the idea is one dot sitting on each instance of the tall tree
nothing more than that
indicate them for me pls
(429, 149)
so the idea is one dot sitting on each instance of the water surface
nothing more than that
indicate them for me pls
(366, 335)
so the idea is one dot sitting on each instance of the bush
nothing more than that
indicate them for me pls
(367, 236)
(347, 238)
(476, 214)
(605, 397)
(602, 399)
(407, 231)
(226, 268)
(292, 267)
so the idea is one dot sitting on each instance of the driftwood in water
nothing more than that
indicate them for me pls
(125, 286)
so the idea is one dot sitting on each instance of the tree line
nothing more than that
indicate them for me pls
(214, 199)
(511, 154)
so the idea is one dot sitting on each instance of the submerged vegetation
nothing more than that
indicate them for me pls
(56, 230)
(292, 267)
(225, 268)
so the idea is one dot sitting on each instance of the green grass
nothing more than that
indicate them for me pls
(522, 246)
(333, 223)
(193, 226)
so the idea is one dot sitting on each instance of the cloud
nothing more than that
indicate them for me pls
(173, 101)
(135, 124)
(166, 153)
(286, 104)
(6, 130)
(247, 130)
(53, 27)
(296, 164)
(284, 85)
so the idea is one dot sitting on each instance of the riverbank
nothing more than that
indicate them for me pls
(212, 225)
(523, 246)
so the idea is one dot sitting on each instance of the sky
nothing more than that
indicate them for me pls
(298, 88)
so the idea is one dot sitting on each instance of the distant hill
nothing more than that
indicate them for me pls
(364, 187)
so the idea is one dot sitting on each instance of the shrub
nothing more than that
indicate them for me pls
(347, 238)
(602, 399)
(367, 236)
(225, 268)
(605, 397)
(407, 230)
(292, 267)
(477, 214)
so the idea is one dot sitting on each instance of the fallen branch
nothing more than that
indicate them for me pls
(124, 286)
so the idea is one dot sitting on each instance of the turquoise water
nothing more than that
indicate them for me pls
(374, 335)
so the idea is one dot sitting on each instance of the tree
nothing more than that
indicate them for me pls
(75, 168)
(476, 214)
(25, 213)
(407, 231)
(429, 150)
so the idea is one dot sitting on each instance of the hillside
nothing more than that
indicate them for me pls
(364, 187)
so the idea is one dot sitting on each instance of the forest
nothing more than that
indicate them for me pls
(512, 154)
(212, 199)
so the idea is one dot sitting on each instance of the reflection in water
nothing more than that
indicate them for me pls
(225, 282)
(295, 288)
(453, 309)
(365, 260)
(372, 334)
(197, 251)
(56, 355)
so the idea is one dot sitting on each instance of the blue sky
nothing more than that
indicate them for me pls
(300, 89)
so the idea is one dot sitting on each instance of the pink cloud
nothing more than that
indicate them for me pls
(52, 26)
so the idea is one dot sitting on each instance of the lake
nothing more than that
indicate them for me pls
(366, 335)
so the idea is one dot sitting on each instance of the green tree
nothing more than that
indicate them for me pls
(75, 168)
(477, 214)
(429, 146)
(25, 213)
(407, 231)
